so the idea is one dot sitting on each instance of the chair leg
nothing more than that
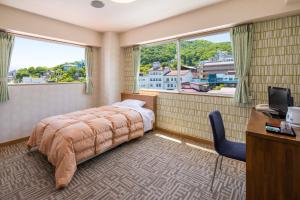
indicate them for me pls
(213, 178)
(221, 163)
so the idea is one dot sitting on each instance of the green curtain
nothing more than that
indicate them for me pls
(6, 46)
(136, 51)
(89, 63)
(242, 45)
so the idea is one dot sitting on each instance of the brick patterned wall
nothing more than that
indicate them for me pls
(128, 78)
(275, 61)
(188, 115)
(276, 57)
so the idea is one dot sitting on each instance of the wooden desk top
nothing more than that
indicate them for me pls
(256, 127)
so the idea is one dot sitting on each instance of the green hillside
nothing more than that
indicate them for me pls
(192, 52)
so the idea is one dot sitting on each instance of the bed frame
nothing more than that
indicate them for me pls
(150, 99)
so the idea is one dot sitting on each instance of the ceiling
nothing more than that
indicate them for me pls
(114, 16)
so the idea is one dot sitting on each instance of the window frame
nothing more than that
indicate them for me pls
(178, 40)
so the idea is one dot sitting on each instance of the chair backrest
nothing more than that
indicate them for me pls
(217, 126)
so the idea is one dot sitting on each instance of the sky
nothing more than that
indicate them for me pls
(28, 52)
(220, 37)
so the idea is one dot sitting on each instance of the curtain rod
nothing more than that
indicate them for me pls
(42, 38)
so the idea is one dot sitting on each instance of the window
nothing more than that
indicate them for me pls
(158, 61)
(41, 61)
(207, 64)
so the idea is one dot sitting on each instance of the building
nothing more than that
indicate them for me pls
(193, 69)
(170, 79)
(163, 78)
(143, 81)
(221, 56)
(217, 68)
(220, 63)
(155, 78)
(28, 80)
(213, 73)
(11, 76)
(77, 64)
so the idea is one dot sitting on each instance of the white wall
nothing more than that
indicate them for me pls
(110, 72)
(220, 15)
(29, 104)
(22, 22)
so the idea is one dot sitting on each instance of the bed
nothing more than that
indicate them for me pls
(70, 139)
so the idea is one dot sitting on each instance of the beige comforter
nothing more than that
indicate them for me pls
(71, 138)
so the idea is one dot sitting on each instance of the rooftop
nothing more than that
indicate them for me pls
(219, 63)
(174, 73)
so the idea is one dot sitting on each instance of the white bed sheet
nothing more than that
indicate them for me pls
(147, 115)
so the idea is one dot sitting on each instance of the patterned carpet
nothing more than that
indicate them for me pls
(151, 167)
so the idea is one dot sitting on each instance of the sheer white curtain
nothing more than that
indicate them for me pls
(6, 46)
(136, 58)
(89, 63)
(242, 45)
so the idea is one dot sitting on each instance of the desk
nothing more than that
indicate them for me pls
(272, 162)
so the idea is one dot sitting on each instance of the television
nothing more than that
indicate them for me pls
(280, 99)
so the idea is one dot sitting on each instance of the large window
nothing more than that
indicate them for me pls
(158, 66)
(206, 65)
(40, 61)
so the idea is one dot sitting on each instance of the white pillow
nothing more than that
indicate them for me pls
(132, 103)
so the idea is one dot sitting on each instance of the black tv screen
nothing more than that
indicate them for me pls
(279, 99)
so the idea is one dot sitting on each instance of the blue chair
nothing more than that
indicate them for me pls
(233, 150)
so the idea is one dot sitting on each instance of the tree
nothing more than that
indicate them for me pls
(57, 73)
(66, 78)
(72, 71)
(160, 53)
(82, 72)
(39, 71)
(192, 52)
(22, 73)
(31, 70)
(145, 68)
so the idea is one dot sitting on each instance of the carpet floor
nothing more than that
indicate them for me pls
(151, 167)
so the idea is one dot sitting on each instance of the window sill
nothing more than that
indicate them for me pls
(189, 93)
(35, 84)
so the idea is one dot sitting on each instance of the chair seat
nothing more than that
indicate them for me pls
(234, 150)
